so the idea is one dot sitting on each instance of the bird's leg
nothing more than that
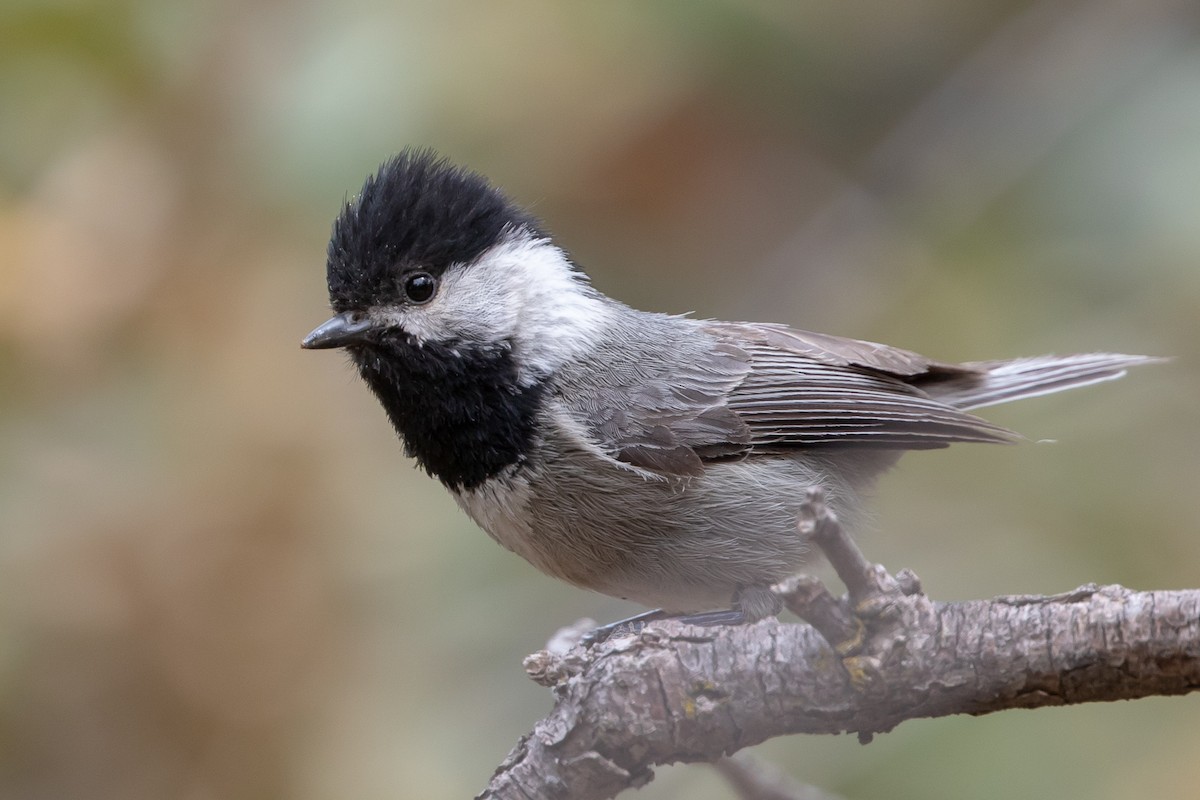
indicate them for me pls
(621, 627)
(750, 604)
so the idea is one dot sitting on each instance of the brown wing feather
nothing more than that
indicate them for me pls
(815, 390)
(836, 351)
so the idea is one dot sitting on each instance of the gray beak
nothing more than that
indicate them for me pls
(349, 327)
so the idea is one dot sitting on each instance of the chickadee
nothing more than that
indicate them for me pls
(650, 457)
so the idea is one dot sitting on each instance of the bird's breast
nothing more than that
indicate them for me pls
(500, 506)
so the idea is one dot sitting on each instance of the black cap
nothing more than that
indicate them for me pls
(418, 211)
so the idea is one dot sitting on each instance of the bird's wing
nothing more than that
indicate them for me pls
(834, 351)
(769, 388)
(808, 390)
(672, 423)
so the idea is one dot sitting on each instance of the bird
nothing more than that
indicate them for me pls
(657, 458)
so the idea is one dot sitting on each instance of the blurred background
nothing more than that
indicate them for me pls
(219, 576)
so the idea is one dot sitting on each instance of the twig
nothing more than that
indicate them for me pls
(755, 779)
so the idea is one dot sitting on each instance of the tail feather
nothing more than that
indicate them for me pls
(1002, 381)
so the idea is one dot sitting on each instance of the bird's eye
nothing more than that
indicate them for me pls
(419, 287)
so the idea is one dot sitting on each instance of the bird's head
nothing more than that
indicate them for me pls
(430, 256)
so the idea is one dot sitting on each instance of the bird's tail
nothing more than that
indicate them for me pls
(995, 382)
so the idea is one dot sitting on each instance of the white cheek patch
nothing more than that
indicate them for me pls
(560, 316)
(522, 291)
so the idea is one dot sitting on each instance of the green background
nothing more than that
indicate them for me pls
(219, 576)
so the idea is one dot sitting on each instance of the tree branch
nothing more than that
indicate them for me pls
(681, 693)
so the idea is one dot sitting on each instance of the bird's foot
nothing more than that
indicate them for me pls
(622, 627)
(750, 604)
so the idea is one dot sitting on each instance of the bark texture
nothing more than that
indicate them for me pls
(680, 693)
